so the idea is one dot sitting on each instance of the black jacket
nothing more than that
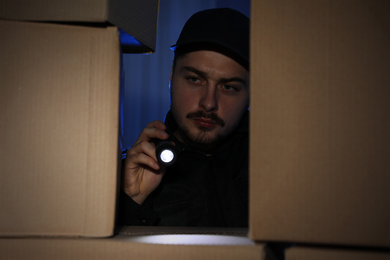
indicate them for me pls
(198, 190)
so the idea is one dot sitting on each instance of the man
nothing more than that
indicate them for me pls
(207, 123)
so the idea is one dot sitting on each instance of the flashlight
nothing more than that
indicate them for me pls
(166, 152)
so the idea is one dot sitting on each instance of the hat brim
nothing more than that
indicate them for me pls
(220, 47)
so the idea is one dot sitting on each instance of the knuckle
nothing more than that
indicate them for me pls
(144, 144)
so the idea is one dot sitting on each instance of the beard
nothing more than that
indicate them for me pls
(202, 139)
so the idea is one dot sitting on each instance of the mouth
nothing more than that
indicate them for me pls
(205, 123)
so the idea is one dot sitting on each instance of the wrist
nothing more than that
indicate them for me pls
(138, 198)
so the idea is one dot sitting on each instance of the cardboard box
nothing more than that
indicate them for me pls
(136, 17)
(59, 103)
(320, 143)
(122, 246)
(324, 253)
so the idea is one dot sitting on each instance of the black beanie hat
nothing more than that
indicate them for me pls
(222, 30)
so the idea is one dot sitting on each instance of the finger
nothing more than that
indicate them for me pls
(154, 130)
(156, 124)
(145, 147)
(141, 160)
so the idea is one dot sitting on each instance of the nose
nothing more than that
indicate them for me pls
(209, 100)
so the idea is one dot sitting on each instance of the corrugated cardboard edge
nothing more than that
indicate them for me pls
(104, 127)
(120, 248)
(324, 253)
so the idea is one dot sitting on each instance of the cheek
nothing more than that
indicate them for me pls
(183, 99)
(233, 111)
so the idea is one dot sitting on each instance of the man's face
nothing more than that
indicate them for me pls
(209, 95)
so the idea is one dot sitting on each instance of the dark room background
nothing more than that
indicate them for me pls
(146, 77)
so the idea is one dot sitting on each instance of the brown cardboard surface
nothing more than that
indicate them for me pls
(319, 151)
(125, 247)
(59, 103)
(313, 253)
(137, 17)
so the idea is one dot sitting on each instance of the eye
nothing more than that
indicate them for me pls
(230, 88)
(194, 80)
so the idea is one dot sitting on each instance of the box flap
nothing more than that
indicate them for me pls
(139, 20)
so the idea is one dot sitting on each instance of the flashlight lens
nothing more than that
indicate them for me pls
(167, 156)
(166, 152)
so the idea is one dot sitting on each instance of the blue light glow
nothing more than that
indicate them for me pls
(128, 40)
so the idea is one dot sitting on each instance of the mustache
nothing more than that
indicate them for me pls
(212, 116)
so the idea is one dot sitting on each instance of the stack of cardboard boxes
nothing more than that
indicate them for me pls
(59, 158)
(319, 150)
(60, 84)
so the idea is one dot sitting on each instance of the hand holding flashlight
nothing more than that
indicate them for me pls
(141, 172)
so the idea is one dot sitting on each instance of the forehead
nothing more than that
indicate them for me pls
(212, 62)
